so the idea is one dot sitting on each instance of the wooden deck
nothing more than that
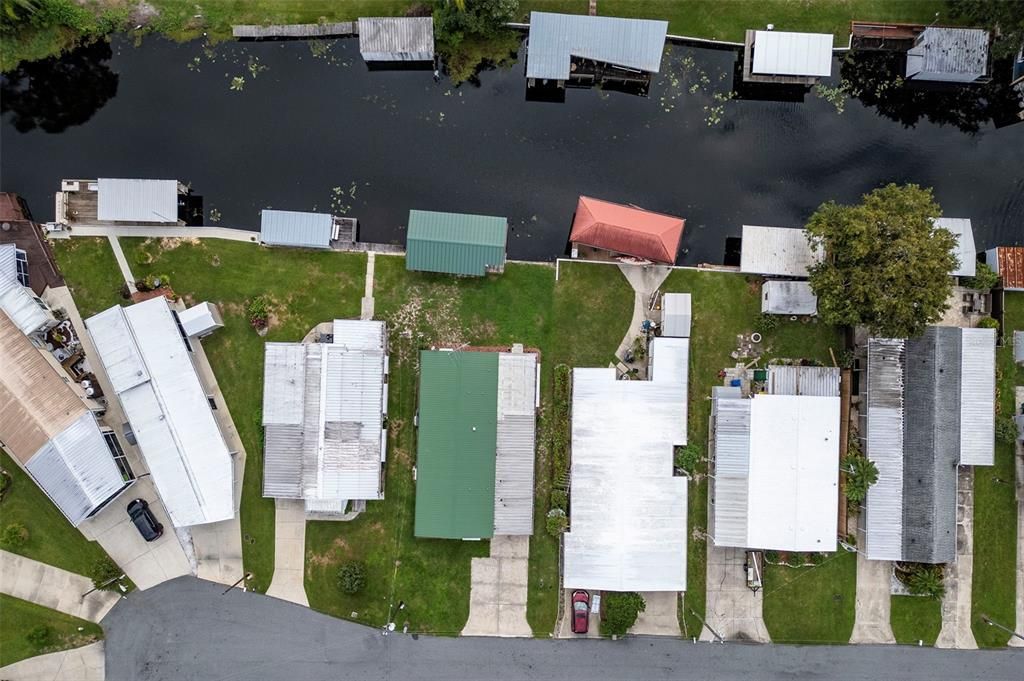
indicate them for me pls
(295, 31)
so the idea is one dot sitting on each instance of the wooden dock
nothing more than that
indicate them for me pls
(295, 31)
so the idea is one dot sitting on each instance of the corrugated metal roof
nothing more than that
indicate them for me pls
(455, 459)
(965, 252)
(137, 200)
(1009, 263)
(800, 380)
(628, 528)
(396, 38)
(676, 314)
(977, 397)
(294, 228)
(626, 229)
(949, 54)
(166, 404)
(284, 382)
(455, 243)
(731, 432)
(516, 439)
(1018, 347)
(788, 297)
(200, 319)
(778, 251)
(883, 518)
(556, 38)
(783, 53)
(23, 308)
(8, 263)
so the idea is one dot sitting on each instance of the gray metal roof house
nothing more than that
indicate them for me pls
(562, 47)
(953, 55)
(295, 228)
(676, 315)
(788, 297)
(396, 38)
(930, 407)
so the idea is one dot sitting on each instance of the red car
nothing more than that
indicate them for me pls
(580, 612)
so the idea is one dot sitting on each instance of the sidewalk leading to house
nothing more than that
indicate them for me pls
(78, 664)
(122, 263)
(160, 231)
(53, 588)
(288, 582)
(956, 604)
(872, 623)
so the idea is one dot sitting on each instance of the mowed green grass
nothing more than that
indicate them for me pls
(995, 508)
(811, 604)
(724, 306)
(91, 273)
(305, 288)
(52, 539)
(18, 618)
(915, 618)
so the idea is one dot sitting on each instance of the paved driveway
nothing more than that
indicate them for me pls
(184, 629)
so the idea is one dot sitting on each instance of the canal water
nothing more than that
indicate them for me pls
(306, 126)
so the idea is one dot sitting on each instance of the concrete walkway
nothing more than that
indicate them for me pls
(158, 231)
(660, 616)
(497, 598)
(122, 263)
(289, 551)
(645, 280)
(78, 664)
(956, 604)
(53, 588)
(734, 611)
(366, 304)
(874, 580)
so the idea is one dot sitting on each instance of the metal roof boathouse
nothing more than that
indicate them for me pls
(787, 58)
(952, 55)
(396, 39)
(618, 230)
(776, 252)
(456, 243)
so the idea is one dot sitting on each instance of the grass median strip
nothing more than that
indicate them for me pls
(27, 630)
(915, 618)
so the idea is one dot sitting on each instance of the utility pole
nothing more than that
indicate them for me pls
(247, 575)
(715, 633)
(997, 625)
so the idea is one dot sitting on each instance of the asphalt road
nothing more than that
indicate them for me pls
(185, 629)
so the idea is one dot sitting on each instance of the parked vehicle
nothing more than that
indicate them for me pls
(145, 522)
(580, 612)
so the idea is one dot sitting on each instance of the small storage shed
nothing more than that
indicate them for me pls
(952, 55)
(456, 243)
(676, 315)
(396, 38)
(200, 320)
(296, 228)
(788, 297)
(121, 200)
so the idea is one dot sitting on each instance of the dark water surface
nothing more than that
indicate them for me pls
(316, 130)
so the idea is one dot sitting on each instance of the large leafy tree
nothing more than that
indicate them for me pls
(885, 265)
(1004, 17)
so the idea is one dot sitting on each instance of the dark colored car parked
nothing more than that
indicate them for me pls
(145, 522)
(580, 612)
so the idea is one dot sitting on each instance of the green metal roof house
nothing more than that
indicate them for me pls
(475, 446)
(456, 243)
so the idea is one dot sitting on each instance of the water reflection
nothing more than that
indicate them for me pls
(57, 93)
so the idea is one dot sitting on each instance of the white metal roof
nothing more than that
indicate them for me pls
(165, 402)
(783, 53)
(800, 380)
(965, 251)
(977, 397)
(628, 527)
(22, 306)
(778, 251)
(137, 200)
(396, 38)
(8, 263)
(676, 314)
(883, 512)
(788, 297)
(200, 319)
(296, 228)
(516, 440)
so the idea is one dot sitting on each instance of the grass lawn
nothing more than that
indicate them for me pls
(52, 539)
(811, 604)
(91, 273)
(915, 618)
(995, 509)
(724, 305)
(305, 287)
(18, 618)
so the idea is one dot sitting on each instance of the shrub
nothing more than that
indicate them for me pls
(258, 310)
(688, 458)
(621, 611)
(560, 499)
(155, 281)
(103, 573)
(559, 445)
(984, 278)
(766, 322)
(922, 579)
(557, 522)
(14, 535)
(861, 473)
(352, 577)
(39, 636)
(987, 323)
(1006, 429)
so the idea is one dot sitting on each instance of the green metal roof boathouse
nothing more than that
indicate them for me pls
(456, 243)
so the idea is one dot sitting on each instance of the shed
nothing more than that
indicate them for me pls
(956, 55)
(776, 251)
(296, 228)
(557, 40)
(200, 320)
(803, 380)
(626, 230)
(965, 252)
(788, 297)
(1008, 263)
(396, 38)
(13, 264)
(676, 315)
(122, 200)
(456, 243)
(782, 53)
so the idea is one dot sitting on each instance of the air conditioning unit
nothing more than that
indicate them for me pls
(69, 185)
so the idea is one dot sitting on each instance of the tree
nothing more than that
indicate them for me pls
(104, 573)
(472, 35)
(1005, 18)
(885, 265)
(984, 278)
(352, 577)
(861, 474)
(621, 611)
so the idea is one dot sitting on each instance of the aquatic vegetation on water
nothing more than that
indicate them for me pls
(237, 83)
(836, 96)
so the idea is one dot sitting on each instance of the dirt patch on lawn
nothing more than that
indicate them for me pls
(169, 243)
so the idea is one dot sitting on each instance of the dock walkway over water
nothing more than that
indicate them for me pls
(295, 31)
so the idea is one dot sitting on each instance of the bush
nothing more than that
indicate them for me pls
(1006, 429)
(688, 458)
(352, 577)
(557, 522)
(922, 579)
(861, 474)
(258, 310)
(39, 636)
(984, 278)
(560, 427)
(14, 536)
(103, 573)
(621, 611)
(560, 499)
(766, 322)
(987, 323)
